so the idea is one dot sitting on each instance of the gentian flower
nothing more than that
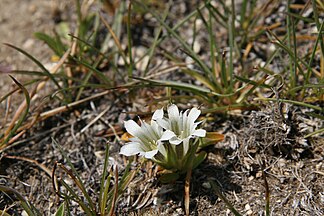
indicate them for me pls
(145, 141)
(180, 127)
(171, 141)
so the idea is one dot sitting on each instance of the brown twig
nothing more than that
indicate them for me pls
(187, 192)
(54, 181)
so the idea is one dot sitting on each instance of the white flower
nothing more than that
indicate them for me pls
(146, 141)
(180, 127)
(170, 141)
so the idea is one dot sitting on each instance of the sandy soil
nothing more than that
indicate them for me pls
(19, 20)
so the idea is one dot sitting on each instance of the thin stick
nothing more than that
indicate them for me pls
(187, 192)
(95, 119)
(267, 193)
(60, 109)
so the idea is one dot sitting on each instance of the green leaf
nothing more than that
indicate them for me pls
(184, 86)
(169, 177)
(201, 78)
(199, 158)
(298, 103)
(104, 184)
(101, 76)
(51, 42)
(28, 207)
(305, 19)
(78, 181)
(40, 65)
(252, 82)
(218, 192)
(61, 210)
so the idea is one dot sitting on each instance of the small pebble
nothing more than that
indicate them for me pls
(206, 185)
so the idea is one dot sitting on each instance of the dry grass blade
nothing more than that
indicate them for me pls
(41, 166)
(4, 213)
(13, 144)
(64, 108)
(19, 115)
(54, 181)
(8, 104)
(95, 119)
(115, 39)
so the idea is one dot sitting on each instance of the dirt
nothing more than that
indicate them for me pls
(19, 20)
(262, 150)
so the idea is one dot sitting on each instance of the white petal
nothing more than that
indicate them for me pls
(133, 128)
(167, 135)
(199, 133)
(162, 150)
(175, 141)
(131, 148)
(149, 131)
(185, 146)
(193, 115)
(185, 122)
(173, 112)
(164, 123)
(150, 154)
(158, 114)
(134, 139)
(156, 128)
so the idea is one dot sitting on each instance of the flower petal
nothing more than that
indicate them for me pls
(156, 129)
(133, 128)
(185, 146)
(131, 148)
(173, 112)
(199, 133)
(164, 123)
(162, 150)
(185, 123)
(150, 154)
(158, 114)
(175, 141)
(148, 131)
(193, 115)
(167, 135)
